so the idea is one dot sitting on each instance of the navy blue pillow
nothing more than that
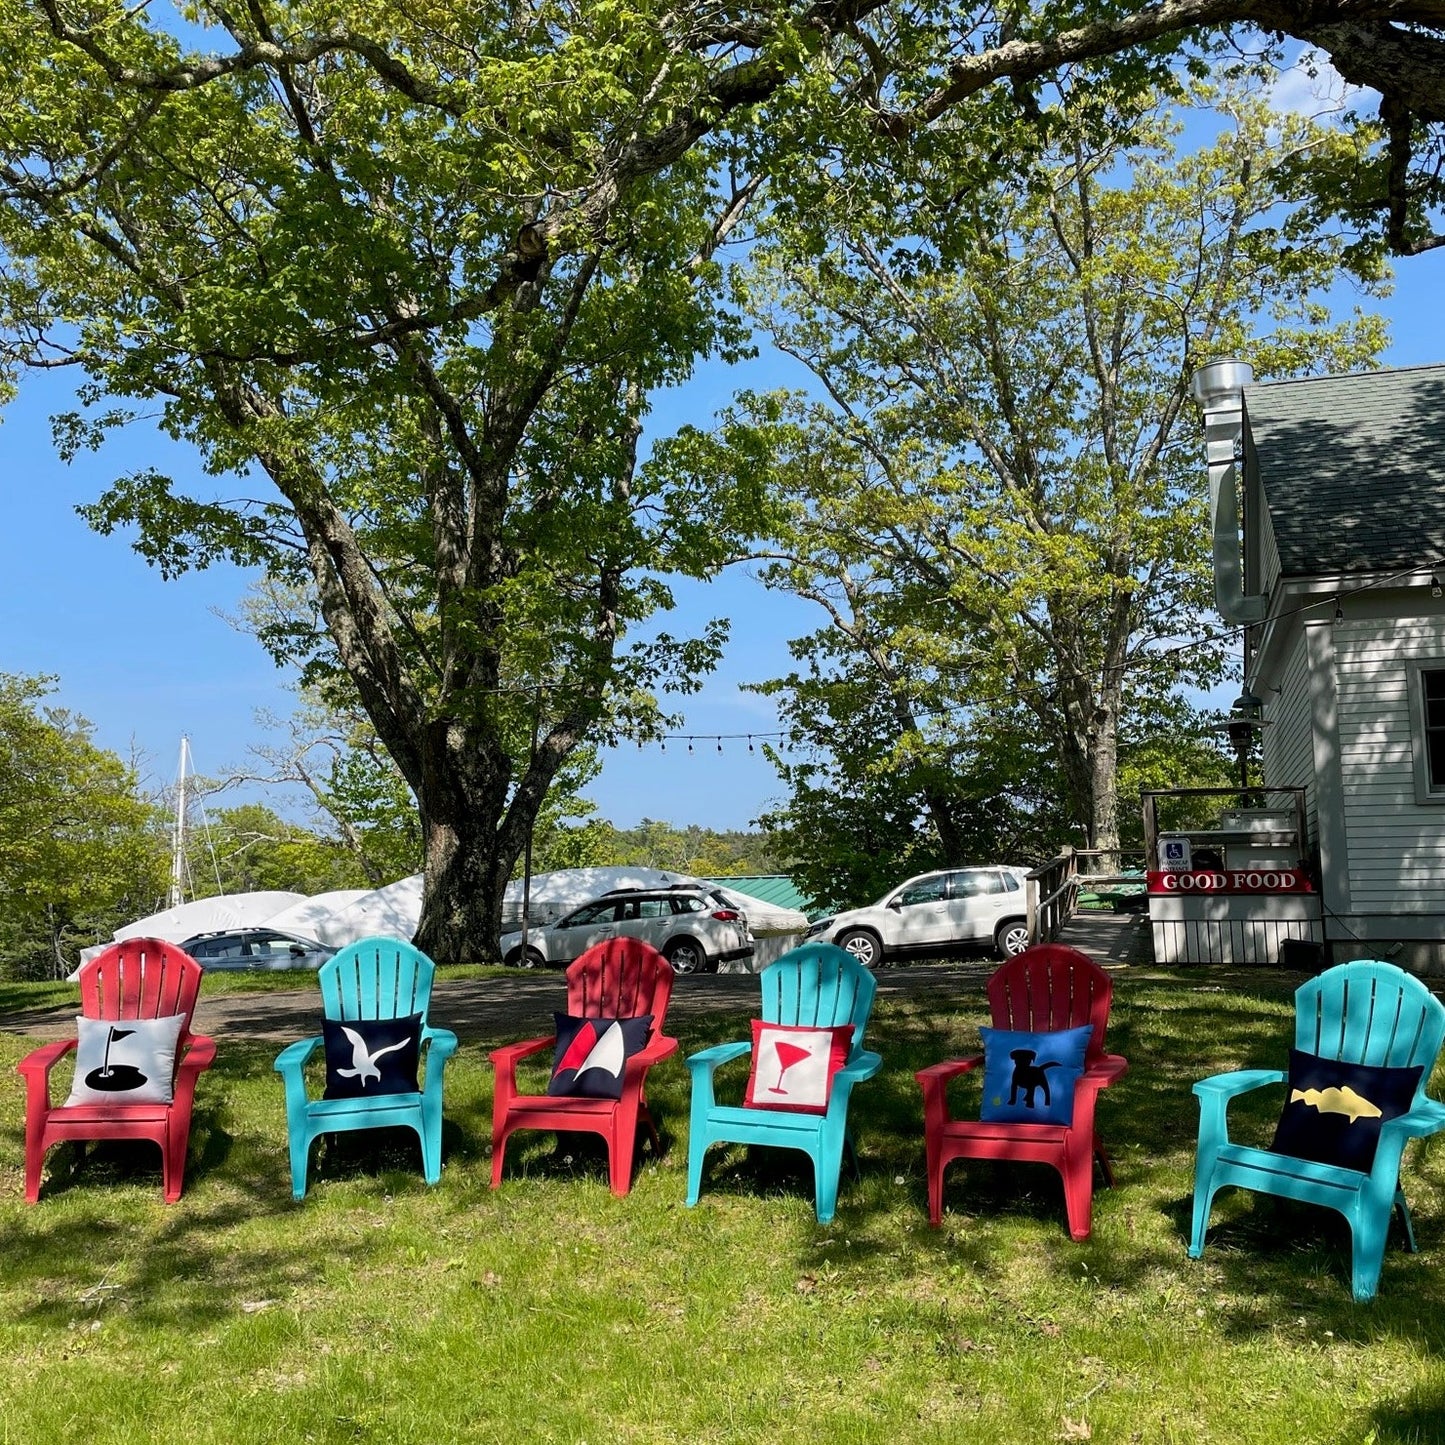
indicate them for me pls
(1333, 1110)
(591, 1054)
(369, 1057)
(1029, 1078)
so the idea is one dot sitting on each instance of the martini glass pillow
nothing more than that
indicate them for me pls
(794, 1067)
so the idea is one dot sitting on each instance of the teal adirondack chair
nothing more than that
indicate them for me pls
(818, 985)
(1363, 1013)
(378, 978)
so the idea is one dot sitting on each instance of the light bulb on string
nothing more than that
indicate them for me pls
(750, 742)
(689, 745)
(719, 745)
(1339, 611)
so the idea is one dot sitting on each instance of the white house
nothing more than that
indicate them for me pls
(1328, 508)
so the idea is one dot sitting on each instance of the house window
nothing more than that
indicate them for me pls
(1427, 689)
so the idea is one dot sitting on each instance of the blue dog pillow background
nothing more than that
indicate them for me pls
(1029, 1078)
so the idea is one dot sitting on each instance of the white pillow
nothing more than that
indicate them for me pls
(125, 1061)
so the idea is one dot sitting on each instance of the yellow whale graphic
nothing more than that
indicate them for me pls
(1337, 1101)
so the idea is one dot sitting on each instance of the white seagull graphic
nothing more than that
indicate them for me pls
(363, 1063)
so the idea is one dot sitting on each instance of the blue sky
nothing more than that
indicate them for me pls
(147, 660)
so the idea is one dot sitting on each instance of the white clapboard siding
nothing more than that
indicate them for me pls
(1289, 739)
(1396, 847)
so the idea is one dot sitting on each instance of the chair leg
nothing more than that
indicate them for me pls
(1203, 1202)
(1078, 1177)
(301, 1141)
(645, 1115)
(1367, 1255)
(1105, 1167)
(825, 1185)
(934, 1164)
(173, 1164)
(499, 1154)
(34, 1168)
(1406, 1221)
(696, 1150)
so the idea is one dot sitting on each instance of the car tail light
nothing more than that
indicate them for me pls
(727, 915)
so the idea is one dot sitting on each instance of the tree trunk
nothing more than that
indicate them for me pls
(469, 857)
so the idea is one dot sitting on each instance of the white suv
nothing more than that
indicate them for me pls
(693, 928)
(933, 913)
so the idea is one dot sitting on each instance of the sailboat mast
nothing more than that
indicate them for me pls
(178, 838)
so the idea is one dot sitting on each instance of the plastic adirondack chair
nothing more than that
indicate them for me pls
(377, 978)
(1043, 989)
(141, 978)
(816, 985)
(620, 978)
(1363, 1013)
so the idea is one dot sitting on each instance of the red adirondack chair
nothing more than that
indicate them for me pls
(141, 978)
(620, 978)
(1045, 988)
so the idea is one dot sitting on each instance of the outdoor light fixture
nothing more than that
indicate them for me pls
(1245, 719)
(1435, 584)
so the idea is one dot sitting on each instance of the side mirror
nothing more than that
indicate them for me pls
(297, 951)
(896, 904)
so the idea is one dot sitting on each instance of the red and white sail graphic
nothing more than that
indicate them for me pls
(589, 1051)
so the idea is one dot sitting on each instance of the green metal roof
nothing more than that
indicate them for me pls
(775, 888)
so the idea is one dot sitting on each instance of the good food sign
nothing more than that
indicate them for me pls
(1232, 880)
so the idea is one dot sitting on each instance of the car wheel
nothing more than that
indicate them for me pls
(864, 945)
(530, 959)
(1011, 937)
(686, 955)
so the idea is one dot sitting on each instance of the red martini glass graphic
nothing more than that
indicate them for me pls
(115, 1078)
(788, 1055)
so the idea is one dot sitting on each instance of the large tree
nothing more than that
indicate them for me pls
(416, 269)
(995, 496)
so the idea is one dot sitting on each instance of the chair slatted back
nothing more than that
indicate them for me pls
(1367, 1012)
(1050, 987)
(620, 978)
(819, 985)
(377, 978)
(141, 978)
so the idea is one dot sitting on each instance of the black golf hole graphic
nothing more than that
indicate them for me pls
(112, 1078)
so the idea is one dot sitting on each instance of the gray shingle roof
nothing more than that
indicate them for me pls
(1353, 469)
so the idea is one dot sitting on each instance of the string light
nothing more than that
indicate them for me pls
(1339, 611)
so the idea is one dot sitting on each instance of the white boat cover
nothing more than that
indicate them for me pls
(210, 915)
(309, 914)
(390, 912)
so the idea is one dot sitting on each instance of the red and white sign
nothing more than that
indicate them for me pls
(1233, 880)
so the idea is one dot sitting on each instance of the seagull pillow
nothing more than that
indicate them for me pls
(591, 1054)
(368, 1057)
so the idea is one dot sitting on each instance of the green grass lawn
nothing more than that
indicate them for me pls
(381, 1310)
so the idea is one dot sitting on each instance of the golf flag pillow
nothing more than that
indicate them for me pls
(1333, 1110)
(125, 1061)
(1029, 1078)
(592, 1054)
(793, 1066)
(368, 1057)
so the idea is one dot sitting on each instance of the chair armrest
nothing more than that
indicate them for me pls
(934, 1081)
(863, 1066)
(704, 1065)
(199, 1055)
(35, 1069)
(290, 1063)
(1240, 1081)
(947, 1071)
(1105, 1071)
(1214, 1094)
(708, 1061)
(504, 1069)
(659, 1047)
(37, 1064)
(1426, 1118)
(440, 1045)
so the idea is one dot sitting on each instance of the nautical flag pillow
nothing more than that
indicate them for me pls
(794, 1066)
(591, 1054)
(1029, 1078)
(125, 1061)
(1333, 1110)
(369, 1057)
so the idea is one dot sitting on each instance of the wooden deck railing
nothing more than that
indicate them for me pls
(1053, 888)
